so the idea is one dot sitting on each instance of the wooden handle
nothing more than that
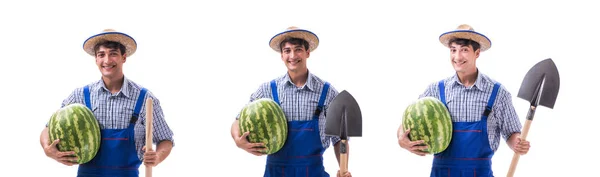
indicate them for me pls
(149, 111)
(515, 160)
(344, 157)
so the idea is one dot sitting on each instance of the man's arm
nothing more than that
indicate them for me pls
(44, 138)
(240, 138)
(162, 134)
(163, 149)
(50, 148)
(513, 140)
(235, 130)
(510, 126)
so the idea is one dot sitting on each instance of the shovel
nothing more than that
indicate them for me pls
(539, 87)
(149, 120)
(343, 119)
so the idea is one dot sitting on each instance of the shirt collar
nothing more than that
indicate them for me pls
(308, 85)
(124, 88)
(478, 81)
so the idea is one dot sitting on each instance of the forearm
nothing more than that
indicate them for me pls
(399, 132)
(235, 129)
(163, 149)
(44, 138)
(512, 140)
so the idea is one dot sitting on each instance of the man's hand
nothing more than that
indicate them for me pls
(150, 157)
(68, 158)
(521, 147)
(347, 174)
(413, 146)
(252, 148)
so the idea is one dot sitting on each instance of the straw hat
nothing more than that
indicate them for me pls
(295, 32)
(466, 32)
(110, 35)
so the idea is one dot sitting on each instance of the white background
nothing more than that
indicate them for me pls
(203, 60)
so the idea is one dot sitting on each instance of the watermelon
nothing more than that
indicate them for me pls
(266, 122)
(78, 130)
(428, 120)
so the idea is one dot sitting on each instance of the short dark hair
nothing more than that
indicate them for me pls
(110, 45)
(294, 41)
(465, 42)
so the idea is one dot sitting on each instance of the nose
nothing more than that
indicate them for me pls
(455, 56)
(292, 54)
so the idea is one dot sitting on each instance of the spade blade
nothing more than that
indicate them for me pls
(541, 84)
(343, 117)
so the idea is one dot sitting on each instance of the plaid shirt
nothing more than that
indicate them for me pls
(299, 103)
(466, 104)
(114, 111)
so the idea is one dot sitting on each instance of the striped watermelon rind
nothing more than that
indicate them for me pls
(78, 130)
(429, 120)
(266, 122)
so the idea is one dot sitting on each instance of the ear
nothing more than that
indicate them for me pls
(477, 53)
(124, 57)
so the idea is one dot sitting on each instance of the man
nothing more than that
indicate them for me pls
(304, 98)
(119, 105)
(481, 110)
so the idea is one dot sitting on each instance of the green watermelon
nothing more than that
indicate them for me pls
(266, 122)
(78, 130)
(428, 120)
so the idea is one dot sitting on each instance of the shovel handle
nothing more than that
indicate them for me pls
(343, 156)
(149, 111)
(515, 160)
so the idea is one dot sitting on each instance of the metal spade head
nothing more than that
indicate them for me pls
(343, 117)
(541, 84)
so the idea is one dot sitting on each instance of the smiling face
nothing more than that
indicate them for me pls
(109, 59)
(463, 54)
(294, 54)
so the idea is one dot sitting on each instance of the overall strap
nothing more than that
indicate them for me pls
(274, 92)
(442, 92)
(138, 105)
(86, 97)
(321, 101)
(490, 104)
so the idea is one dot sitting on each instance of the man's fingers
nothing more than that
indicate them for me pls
(421, 153)
(68, 158)
(68, 163)
(257, 149)
(406, 132)
(418, 148)
(256, 145)
(244, 135)
(416, 143)
(256, 153)
(53, 144)
(66, 153)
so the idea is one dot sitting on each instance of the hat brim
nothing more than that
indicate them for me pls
(483, 41)
(310, 37)
(124, 39)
